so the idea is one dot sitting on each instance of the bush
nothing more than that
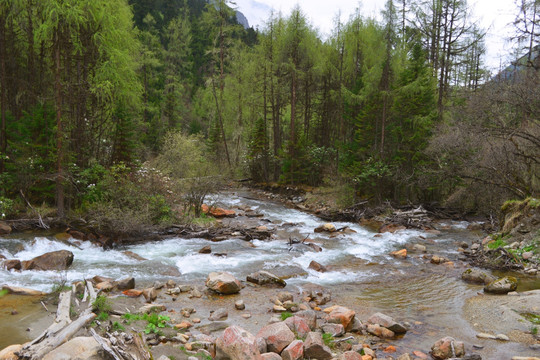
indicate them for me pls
(6, 207)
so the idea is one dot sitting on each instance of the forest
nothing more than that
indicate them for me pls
(129, 113)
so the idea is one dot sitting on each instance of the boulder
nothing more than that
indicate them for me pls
(8, 353)
(105, 286)
(277, 336)
(79, 348)
(125, 283)
(298, 325)
(477, 277)
(502, 286)
(314, 347)
(447, 348)
(4, 228)
(265, 278)
(56, 260)
(387, 322)
(339, 315)
(326, 228)
(237, 344)
(285, 296)
(317, 267)
(13, 264)
(239, 305)
(295, 351)
(419, 248)
(223, 283)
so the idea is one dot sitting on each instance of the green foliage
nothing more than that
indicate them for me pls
(116, 326)
(6, 207)
(155, 322)
(101, 304)
(285, 315)
(498, 242)
(328, 340)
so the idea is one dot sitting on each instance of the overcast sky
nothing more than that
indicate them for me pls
(493, 15)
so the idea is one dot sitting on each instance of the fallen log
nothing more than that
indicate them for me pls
(36, 351)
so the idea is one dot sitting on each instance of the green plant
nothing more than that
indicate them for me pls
(534, 330)
(328, 339)
(499, 241)
(103, 316)
(6, 207)
(116, 326)
(285, 315)
(101, 304)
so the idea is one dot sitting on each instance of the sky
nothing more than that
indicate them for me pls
(492, 15)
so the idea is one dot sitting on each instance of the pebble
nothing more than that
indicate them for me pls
(239, 305)
(502, 337)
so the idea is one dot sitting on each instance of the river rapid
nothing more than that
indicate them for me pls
(361, 273)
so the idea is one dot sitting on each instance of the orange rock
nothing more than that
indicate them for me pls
(420, 354)
(132, 293)
(391, 228)
(183, 325)
(367, 357)
(400, 254)
(217, 212)
(390, 349)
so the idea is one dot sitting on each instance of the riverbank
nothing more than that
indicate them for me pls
(422, 288)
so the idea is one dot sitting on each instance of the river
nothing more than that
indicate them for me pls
(362, 275)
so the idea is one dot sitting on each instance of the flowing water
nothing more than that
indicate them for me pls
(361, 273)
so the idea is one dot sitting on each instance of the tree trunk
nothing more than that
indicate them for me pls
(59, 132)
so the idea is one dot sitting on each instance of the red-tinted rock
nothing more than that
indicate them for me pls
(314, 347)
(379, 331)
(391, 228)
(400, 254)
(277, 336)
(294, 351)
(447, 348)
(238, 344)
(132, 293)
(317, 267)
(387, 322)
(217, 212)
(350, 355)
(298, 325)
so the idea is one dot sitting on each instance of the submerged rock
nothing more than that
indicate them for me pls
(477, 277)
(328, 227)
(502, 286)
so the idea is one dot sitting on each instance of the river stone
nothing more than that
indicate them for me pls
(134, 256)
(379, 331)
(317, 266)
(350, 355)
(223, 283)
(238, 344)
(336, 330)
(239, 305)
(206, 250)
(309, 316)
(477, 277)
(295, 351)
(400, 254)
(13, 264)
(5, 229)
(387, 322)
(285, 296)
(125, 283)
(447, 348)
(502, 286)
(150, 294)
(55, 260)
(79, 348)
(277, 336)
(314, 347)
(265, 278)
(219, 314)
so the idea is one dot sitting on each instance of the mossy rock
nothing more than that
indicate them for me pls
(477, 277)
(502, 286)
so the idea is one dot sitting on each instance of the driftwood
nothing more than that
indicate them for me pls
(122, 346)
(216, 234)
(36, 351)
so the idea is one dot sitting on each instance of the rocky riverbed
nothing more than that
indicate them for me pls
(420, 287)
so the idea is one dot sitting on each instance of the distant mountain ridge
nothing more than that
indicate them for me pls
(242, 20)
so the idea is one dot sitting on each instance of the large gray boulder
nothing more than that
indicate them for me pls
(55, 260)
(223, 283)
